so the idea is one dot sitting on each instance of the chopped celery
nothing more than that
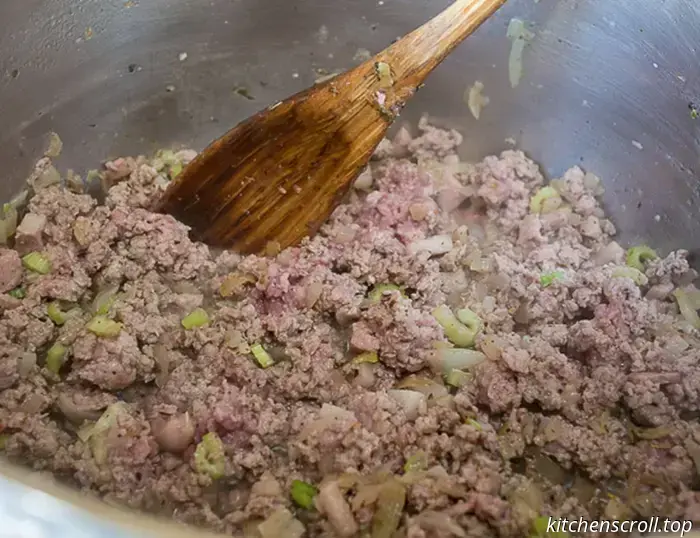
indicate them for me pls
(175, 170)
(210, 456)
(17, 293)
(636, 275)
(469, 318)
(37, 263)
(368, 356)
(474, 424)
(537, 202)
(547, 279)
(58, 316)
(458, 378)
(103, 326)
(303, 494)
(4, 437)
(383, 71)
(639, 255)
(56, 357)
(416, 462)
(197, 318)
(261, 356)
(377, 291)
(456, 332)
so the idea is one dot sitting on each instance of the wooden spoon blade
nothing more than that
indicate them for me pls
(277, 176)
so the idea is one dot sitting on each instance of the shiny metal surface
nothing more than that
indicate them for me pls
(607, 84)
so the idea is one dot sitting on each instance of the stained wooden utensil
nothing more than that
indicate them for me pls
(277, 176)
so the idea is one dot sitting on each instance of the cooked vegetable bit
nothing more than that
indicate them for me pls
(103, 326)
(636, 275)
(638, 256)
(17, 293)
(261, 356)
(416, 462)
(390, 504)
(366, 357)
(545, 200)
(37, 263)
(210, 456)
(458, 378)
(104, 300)
(56, 357)
(58, 316)
(303, 494)
(197, 318)
(456, 332)
(383, 71)
(378, 291)
(475, 424)
(548, 279)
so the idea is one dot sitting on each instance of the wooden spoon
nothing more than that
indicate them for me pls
(277, 176)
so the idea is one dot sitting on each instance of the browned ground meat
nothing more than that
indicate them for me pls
(585, 406)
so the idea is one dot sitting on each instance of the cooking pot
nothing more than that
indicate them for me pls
(610, 86)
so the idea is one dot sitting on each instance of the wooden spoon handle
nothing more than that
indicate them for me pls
(414, 56)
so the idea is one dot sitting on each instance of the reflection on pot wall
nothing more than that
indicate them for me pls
(605, 84)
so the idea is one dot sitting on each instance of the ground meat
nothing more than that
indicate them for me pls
(587, 391)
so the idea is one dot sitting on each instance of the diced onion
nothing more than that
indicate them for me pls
(412, 402)
(686, 307)
(390, 505)
(446, 360)
(104, 300)
(438, 244)
(332, 503)
(27, 361)
(475, 99)
(55, 146)
(425, 386)
(48, 177)
(281, 524)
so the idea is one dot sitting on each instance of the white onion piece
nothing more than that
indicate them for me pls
(331, 502)
(365, 375)
(281, 524)
(687, 309)
(364, 180)
(26, 364)
(446, 360)
(412, 402)
(438, 244)
(425, 386)
(476, 100)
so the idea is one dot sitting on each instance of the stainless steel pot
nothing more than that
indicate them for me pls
(607, 85)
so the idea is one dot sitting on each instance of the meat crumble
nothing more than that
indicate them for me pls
(461, 351)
